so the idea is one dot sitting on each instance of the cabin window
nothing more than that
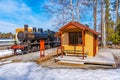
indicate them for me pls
(75, 38)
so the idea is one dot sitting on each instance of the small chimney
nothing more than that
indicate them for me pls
(48, 31)
(25, 27)
(87, 25)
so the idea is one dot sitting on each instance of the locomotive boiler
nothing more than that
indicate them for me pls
(30, 40)
(35, 35)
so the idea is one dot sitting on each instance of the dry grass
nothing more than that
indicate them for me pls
(70, 64)
(46, 58)
(16, 60)
(43, 59)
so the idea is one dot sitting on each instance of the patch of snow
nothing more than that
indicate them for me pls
(110, 50)
(19, 51)
(5, 62)
(16, 71)
(6, 52)
(31, 71)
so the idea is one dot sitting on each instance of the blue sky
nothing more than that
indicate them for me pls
(15, 13)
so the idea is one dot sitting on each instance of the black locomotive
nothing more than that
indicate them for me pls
(30, 40)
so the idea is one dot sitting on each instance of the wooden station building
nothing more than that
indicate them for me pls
(77, 38)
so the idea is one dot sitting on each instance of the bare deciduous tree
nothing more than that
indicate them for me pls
(77, 10)
(103, 31)
(71, 8)
(117, 14)
(95, 13)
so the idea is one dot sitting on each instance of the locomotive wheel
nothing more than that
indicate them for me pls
(38, 48)
(25, 50)
(34, 49)
(29, 46)
(47, 46)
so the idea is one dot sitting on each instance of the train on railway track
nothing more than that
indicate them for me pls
(30, 40)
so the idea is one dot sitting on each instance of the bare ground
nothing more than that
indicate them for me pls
(52, 64)
(117, 59)
(49, 62)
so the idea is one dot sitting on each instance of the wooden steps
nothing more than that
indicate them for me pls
(71, 62)
(86, 61)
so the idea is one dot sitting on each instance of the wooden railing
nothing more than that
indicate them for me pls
(76, 52)
(61, 48)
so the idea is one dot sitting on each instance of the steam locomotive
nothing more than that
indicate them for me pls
(29, 41)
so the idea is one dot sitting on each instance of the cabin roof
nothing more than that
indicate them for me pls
(76, 25)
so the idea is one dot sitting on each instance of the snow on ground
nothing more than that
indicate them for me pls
(31, 71)
(107, 50)
(6, 52)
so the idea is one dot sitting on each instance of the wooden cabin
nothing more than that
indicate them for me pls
(77, 38)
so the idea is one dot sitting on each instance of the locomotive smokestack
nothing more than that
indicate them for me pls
(48, 31)
(40, 30)
(34, 29)
(25, 27)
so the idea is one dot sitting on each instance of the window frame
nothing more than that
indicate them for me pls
(82, 34)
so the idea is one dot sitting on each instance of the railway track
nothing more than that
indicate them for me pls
(3, 47)
(27, 57)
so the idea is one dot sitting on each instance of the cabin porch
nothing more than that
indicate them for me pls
(101, 58)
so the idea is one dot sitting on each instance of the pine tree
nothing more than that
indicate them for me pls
(108, 22)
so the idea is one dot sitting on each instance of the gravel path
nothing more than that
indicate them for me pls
(29, 57)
